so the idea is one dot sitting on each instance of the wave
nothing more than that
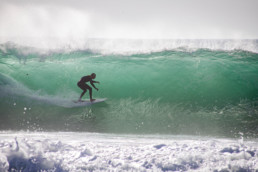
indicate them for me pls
(208, 92)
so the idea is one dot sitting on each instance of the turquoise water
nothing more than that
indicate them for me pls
(200, 91)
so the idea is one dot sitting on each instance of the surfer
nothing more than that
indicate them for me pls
(82, 84)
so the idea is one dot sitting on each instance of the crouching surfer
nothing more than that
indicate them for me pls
(82, 84)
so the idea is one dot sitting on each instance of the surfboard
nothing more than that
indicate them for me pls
(87, 102)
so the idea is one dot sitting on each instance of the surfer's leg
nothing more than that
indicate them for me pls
(87, 87)
(91, 99)
(84, 91)
(90, 91)
(84, 88)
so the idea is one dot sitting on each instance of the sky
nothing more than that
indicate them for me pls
(129, 19)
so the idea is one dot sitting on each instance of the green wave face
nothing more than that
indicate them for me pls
(202, 92)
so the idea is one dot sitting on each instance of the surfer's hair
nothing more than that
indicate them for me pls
(93, 74)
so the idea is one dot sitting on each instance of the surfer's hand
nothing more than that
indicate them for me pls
(97, 89)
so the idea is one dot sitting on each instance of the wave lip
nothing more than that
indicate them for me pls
(131, 46)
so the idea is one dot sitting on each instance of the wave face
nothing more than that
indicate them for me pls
(196, 91)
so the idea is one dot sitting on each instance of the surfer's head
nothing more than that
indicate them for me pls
(93, 75)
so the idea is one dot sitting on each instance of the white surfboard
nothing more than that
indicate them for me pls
(87, 102)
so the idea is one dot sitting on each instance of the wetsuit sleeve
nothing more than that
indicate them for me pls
(95, 81)
(92, 83)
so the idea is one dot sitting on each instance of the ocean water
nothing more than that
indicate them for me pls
(172, 105)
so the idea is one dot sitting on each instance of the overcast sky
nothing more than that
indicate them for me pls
(169, 19)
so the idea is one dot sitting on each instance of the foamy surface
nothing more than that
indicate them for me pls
(72, 151)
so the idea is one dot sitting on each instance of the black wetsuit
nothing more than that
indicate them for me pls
(82, 84)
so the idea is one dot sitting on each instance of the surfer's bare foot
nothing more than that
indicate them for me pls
(92, 100)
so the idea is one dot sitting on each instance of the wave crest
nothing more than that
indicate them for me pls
(127, 46)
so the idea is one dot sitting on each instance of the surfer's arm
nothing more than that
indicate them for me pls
(95, 81)
(91, 82)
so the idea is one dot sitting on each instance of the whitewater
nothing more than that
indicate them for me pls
(173, 105)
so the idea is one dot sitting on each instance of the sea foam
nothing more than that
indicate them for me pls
(110, 152)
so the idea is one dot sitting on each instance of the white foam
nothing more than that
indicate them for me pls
(129, 46)
(110, 152)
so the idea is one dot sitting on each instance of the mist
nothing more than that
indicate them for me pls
(69, 20)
